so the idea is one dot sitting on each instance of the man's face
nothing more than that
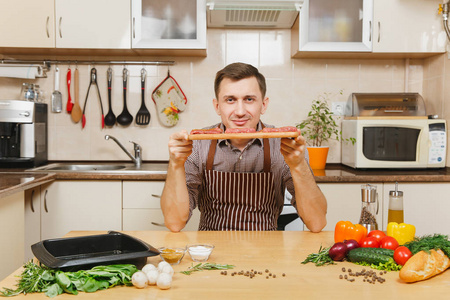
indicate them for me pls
(240, 103)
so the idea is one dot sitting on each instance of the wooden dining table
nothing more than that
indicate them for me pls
(278, 255)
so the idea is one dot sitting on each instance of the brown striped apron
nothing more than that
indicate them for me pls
(238, 201)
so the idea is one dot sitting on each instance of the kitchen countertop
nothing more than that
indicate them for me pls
(277, 251)
(14, 180)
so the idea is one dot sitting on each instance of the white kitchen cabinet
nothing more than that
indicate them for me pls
(32, 220)
(11, 233)
(170, 24)
(412, 26)
(333, 26)
(344, 203)
(80, 205)
(27, 23)
(425, 205)
(100, 24)
(142, 209)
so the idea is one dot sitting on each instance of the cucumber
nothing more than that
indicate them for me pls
(371, 255)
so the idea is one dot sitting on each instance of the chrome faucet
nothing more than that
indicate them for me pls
(137, 159)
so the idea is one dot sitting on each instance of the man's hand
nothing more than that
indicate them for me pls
(179, 148)
(293, 150)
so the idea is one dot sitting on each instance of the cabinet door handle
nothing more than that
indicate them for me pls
(156, 196)
(379, 33)
(134, 27)
(159, 224)
(370, 31)
(46, 26)
(31, 201)
(45, 201)
(60, 20)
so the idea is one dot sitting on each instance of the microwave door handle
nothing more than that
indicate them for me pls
(393, 110)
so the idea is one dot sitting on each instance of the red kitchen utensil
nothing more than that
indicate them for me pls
(69, 99)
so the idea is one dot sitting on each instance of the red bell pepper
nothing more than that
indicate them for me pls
(346, 230)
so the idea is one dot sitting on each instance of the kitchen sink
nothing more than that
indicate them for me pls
(126, 168)
(80, 168)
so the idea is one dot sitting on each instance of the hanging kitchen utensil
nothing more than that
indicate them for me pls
(125, 118)
(92, 81)
(143, 115)
(56, 95)
(110, 118)
(69, 100)
(76, 113)
(169, 100)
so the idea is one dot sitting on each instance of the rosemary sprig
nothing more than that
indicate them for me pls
(321, 258)
(206, 266)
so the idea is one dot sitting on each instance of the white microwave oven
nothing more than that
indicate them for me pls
(397, 143)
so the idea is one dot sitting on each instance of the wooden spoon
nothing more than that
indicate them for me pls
(76, 109)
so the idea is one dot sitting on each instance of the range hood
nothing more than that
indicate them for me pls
(252, 13)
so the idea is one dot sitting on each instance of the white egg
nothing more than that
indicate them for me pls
(139, 280)
(152, 276)
(164, 281)
(167, 269)
(148, 267)
(162, 264)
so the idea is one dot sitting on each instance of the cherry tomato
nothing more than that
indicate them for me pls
(388, 242)
(401, 255)
(378, 234)
(370, 242)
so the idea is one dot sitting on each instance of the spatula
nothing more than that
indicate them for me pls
(76, 109)
(143, 115)
(56, 95)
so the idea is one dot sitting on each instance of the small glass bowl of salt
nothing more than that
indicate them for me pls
(200, 252)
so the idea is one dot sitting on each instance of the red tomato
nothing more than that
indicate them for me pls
(388, 242)
(378, 234)
(370, 242)
(401, 255)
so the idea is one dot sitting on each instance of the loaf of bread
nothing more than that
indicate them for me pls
(424, 265)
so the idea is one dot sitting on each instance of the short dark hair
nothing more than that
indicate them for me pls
(238, 71)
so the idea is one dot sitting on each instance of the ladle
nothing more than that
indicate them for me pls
(125, 118)
(110, 118)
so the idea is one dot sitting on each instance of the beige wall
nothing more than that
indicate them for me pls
(292, 85)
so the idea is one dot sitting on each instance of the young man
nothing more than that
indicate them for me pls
(239, 184)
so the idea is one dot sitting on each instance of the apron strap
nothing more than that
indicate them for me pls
(212, 152)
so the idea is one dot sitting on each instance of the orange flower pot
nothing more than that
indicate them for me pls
(318, 157)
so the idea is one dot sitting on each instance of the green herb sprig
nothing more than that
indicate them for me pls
(428, 242)
(321, 258)
(206, 266)
(37, 279)
(389, 266)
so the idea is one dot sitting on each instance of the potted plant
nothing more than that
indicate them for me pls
(320, 127)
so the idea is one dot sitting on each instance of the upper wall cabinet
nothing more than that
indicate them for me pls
(27, 23)
(367, 28)
(170, 24)
(412, 26)
(333, 26)
(100, 24)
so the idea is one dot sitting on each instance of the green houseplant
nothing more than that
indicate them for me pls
(320, 127)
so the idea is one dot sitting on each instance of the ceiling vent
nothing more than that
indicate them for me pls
(252, 13)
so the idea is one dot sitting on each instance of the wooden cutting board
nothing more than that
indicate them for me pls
(253, 135)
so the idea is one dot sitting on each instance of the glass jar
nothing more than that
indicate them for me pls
(369, 207)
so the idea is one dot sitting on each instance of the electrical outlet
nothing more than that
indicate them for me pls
(337, 108)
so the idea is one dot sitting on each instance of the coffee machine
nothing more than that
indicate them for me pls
(23, 134)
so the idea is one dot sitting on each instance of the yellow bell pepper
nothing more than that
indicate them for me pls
(402, 232)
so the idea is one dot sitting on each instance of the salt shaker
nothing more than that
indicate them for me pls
(369, 207)
(395, 212)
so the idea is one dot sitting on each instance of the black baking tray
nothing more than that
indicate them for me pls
(85, 252)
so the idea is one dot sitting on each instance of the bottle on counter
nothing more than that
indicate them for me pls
(395, 212)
